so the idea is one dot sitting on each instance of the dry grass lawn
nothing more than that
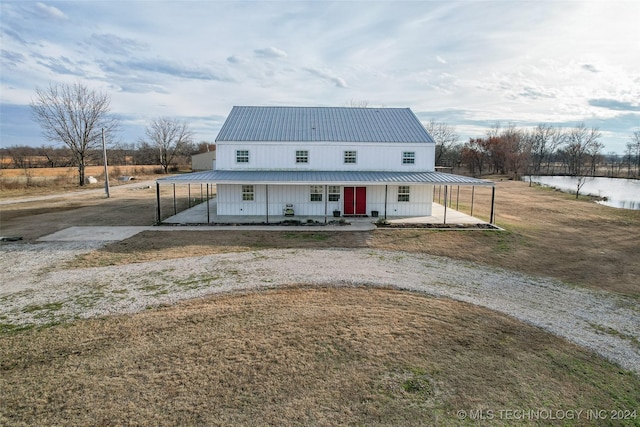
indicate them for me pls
(335, 356)
(41, 181)
(548, 233)
(300, 356)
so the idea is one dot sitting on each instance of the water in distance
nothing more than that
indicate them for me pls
(616, 192)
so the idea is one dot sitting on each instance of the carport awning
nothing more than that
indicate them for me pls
(322, 177)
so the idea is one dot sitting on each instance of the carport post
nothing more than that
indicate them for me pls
(493, 205)
(208, 216)
(189, 189)
(266, 192)
(458, 198)
(473, 189)
(326, 201)
(175, 208)
(385, 201)
(445, 204)
(158, 201)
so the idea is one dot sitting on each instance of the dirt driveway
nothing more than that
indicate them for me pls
(548, 234)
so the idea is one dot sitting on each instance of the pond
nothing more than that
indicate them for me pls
(616, 192)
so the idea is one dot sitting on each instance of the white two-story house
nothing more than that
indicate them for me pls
(322, 161)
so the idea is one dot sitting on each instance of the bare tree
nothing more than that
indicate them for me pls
(634, 149)
(582, 143)
(545, 140)
(75, 116)
(363, 103)
(445, 137)
(168, 136)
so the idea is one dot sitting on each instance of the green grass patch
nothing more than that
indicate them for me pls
(318, 237)
(53, 306)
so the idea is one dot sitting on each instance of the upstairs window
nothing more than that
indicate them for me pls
(247, 193)
(302, 156)
(242, 156)
(334, 193)
(316, 193)
(350, 156)
(403, 193)
(408, 157)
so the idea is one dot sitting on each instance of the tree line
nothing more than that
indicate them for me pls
(543, 150)
(118, 154)
(80, 119)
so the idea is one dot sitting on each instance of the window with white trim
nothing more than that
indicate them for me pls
(302, 156)
(408, 157)
(350, 156)
(248, 193)
(403, 193)
(316, 193)
(242, 156)
(334, 193)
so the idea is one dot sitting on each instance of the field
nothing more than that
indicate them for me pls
(37, 181)
(305, 355)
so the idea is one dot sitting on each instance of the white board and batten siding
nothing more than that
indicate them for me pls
(230, 201)
(326, 156)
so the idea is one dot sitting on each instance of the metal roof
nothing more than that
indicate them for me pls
(322, 177)
(326, 124)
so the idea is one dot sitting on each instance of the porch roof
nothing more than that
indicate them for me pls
(322, 177)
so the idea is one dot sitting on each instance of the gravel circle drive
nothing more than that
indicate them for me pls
(33, 290)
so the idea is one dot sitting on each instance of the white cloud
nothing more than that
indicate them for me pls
(590, 67)
(505, 61)
(50, 11)
(270, 52)
(338, 81)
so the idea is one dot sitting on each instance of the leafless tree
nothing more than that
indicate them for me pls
(545, 140)
(56, 157)
(445, 137)
(75, 116)
(170, 137)
(357, 104)
(582, 143)
(205, 147)
(634, 149)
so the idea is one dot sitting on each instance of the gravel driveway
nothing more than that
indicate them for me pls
(34, 291)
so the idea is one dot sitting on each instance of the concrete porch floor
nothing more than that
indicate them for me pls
(198, 215)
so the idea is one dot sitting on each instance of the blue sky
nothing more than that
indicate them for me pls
(471, 64)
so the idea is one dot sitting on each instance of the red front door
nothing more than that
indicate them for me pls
(355, 200)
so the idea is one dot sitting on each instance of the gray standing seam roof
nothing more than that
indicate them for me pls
(322, 177)
(323, 124)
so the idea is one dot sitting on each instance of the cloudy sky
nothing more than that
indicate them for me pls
(471, 64)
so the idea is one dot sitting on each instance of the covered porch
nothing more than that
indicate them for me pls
(206, 213)
(445, 204)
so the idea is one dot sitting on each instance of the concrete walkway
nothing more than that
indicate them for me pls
(199, 215)
(115, 233)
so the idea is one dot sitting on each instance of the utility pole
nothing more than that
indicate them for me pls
(106, 169)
